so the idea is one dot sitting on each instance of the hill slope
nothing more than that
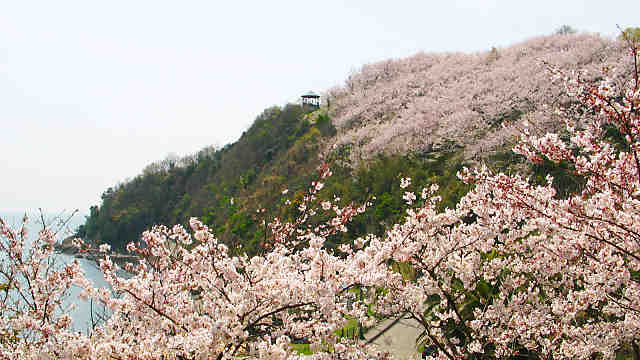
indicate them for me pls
(422, 117)
(431, 101)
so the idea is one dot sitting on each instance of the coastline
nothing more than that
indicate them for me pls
(66, 247)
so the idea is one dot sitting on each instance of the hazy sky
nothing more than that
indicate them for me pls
(93, 91)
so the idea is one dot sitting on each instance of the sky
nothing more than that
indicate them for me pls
(93, 91)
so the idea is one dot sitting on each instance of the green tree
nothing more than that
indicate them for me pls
(565, 30)
(631, 34)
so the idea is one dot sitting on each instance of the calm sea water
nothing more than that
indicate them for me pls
(82, 313)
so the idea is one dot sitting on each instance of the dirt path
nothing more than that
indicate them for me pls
(399, 340)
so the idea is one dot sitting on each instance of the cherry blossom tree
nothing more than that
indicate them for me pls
(515, 270)
(188, 298)
(33, 316)
(205, 303)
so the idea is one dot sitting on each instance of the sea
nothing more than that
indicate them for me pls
(82, 310)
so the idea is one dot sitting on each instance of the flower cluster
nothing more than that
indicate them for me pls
(514, 269)
(33, 317)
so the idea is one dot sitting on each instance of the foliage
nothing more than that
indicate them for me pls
(203, 185)
(631, 34)
(232, 211)
(565, 30)
(378, 181)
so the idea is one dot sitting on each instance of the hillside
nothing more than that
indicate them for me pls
(475, 101)
(423, 117)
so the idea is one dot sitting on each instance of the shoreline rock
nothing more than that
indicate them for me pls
(66, 246)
